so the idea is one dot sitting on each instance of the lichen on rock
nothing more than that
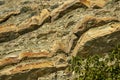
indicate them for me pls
(38, 38)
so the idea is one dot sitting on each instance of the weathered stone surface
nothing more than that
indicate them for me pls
(38, 37)
(94, 34)
(93, 3)
(65, 44)
(91, 22)
(25, 26)
(17, 58)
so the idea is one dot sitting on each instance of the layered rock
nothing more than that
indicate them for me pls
(37, 40)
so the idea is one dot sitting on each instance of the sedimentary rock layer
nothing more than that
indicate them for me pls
(39, 37)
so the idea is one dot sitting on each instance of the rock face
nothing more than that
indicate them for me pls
(38, 37)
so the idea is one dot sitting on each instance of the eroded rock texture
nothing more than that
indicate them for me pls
(38, 37)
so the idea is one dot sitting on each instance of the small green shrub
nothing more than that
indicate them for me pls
(97, 67)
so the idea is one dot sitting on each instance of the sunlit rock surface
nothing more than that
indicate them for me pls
(38, 37)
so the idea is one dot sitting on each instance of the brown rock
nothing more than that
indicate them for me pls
(6, 16)
(92, 3)
(49, 44)
(21, 68)
(94, 34)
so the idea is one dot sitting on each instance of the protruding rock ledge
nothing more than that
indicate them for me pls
(37, 20)
(10, 60)
(94, 33)
(9, 32)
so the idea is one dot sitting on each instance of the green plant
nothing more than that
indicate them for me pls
(97, 67)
